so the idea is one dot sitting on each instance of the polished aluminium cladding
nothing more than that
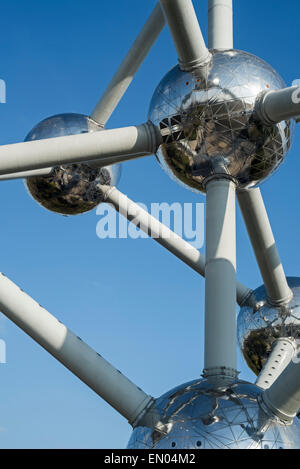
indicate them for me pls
(70, 189)
(196, 415)
(208, 123)
(259, 328)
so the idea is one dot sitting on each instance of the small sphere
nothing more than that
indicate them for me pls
(75, 188)
(208, 124)
(257, 330)
(197, 416)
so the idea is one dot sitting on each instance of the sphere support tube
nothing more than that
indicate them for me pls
(264, 246)
(128, 68)
(281, 354)
(155, 229)
(220, 358)
(273, 107)
(106, 147)
(282, 398)
(26, 174)
(186, 33)
(220, 24)
(109, 383)
(163, 235)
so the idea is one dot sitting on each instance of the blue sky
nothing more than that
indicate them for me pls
(132, 301)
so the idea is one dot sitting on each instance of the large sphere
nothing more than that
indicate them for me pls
(257, 330)
(196, 416)
(208, 124)
(70, 189)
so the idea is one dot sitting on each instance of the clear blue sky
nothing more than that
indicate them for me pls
(136, 304)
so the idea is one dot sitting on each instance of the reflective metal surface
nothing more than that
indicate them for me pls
(257, 330)
(71, 189)
(208, 124)
(195, 416)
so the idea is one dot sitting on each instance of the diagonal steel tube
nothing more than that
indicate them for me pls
(90, 367)
(105, 147)
(128, 68)
(282, 398)
(119, 83)
(186, 33)
(220, 24)
(164, 236)
(26, 174)
(264, 246)
(281, 354)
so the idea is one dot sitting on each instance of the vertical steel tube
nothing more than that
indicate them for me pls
(128, 68)
(220, 24)
(262, 239)
(186, 33)
(220, 284)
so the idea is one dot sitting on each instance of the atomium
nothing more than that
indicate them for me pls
(219, 122)
(208, 123)
(258, 329)
(70, 189)
(196, 415)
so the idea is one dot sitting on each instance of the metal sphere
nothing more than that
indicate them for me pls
(208, 124)
(257, 330)
(70, 189)
(197, 416)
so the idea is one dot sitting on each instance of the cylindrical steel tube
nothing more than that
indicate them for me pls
(186, 33)
(128, 68)
(26, 174)
(220, 24)
(163, 235)
(283, 397)
(281, 354)
(264, 246)
(109, 383)
(220, 280)
(276, 106)
(107, 147)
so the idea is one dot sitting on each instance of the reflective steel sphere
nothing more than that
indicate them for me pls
(257, 330)
(196, 416)
(70, 189)
(208, 124)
